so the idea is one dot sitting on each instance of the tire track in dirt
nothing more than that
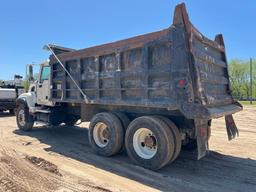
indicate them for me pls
(232, 167)
(22, 173)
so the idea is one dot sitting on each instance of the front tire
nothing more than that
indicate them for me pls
(149, 142)
(24, 120)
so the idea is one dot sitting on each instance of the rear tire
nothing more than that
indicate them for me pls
(124, 119)
(106, 134)
(149, 142)
(177, 136)
(24, 120)
(125, 123)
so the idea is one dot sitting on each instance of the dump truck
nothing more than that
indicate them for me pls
(9, 91)
(150, 95)
(7, 99)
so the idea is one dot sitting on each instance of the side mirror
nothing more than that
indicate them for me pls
(30, 73)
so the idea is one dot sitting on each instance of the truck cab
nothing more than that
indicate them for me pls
(36, 106)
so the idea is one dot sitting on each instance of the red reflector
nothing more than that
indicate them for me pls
(202, 132)
(182, 82)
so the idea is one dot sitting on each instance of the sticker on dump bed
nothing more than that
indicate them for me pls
(59, 86)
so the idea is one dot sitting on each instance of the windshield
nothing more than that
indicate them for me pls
(45, 73)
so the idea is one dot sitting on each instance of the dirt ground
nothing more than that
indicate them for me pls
(60, 159)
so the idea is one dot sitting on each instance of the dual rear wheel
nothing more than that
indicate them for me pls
(150, 141)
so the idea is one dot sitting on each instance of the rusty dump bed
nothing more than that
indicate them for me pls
(176, 69)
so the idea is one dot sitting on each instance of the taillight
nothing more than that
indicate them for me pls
(182, 83)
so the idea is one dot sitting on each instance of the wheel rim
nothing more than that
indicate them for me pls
(101, 134)
(144, 143)
(21, 117)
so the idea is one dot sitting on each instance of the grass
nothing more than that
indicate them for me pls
(247, 102)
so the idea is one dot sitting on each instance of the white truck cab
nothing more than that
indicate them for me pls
(36, 106)
(39, 91)
(43, 86)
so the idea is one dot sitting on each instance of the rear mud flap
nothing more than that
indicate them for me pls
(232, 130)
(202, 139)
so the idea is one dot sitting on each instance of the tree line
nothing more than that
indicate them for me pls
(239, 72)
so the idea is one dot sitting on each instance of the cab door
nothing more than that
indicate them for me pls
(43, 86)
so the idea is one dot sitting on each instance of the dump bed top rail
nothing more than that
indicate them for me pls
(118, 46)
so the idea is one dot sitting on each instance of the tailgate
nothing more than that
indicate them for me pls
(212, 77)
(210, 80)
(209, 70)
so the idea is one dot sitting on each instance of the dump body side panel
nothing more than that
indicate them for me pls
(135, 72)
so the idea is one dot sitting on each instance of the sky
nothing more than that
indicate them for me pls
(27, 25)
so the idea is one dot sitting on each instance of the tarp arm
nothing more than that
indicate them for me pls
(81, 91)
